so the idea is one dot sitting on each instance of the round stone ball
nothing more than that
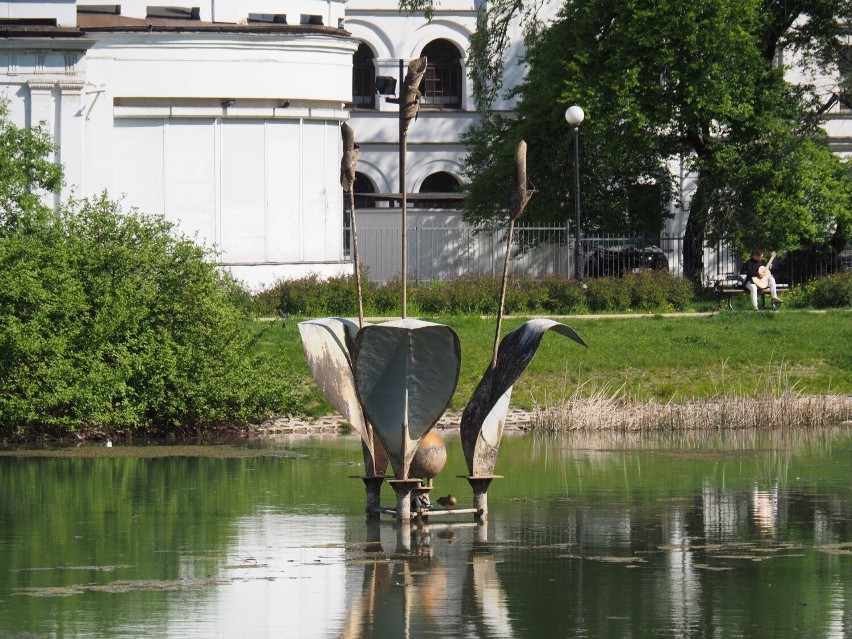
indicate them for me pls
(430, 458)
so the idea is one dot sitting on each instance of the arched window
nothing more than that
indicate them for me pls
(440, 182)
(363, 78)
(363, 184)
(442, 86)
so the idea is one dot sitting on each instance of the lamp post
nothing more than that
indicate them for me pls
(574, 116)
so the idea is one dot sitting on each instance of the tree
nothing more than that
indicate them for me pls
(112, 320)
(26, 172)
(663, 81)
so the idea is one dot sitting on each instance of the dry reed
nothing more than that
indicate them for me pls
(779, 406)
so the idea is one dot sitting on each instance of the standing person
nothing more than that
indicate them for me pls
(752, 271)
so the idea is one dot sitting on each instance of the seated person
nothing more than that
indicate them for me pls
(752, 269)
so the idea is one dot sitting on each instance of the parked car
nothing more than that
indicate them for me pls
(625, 258)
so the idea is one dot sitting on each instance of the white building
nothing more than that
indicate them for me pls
(223, 115)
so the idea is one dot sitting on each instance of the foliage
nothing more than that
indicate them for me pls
(26, 172)
(386, 299)
(831, 291)
(312, 296)
(666, 79)
(315, 296)
(110, 320)
(607, 294)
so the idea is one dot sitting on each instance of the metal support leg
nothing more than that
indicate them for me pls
(403, 489)
(373, 484)
(480, 493)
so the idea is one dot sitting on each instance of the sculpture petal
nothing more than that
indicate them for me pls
(484, 416)
(328, 345)
(406, 372)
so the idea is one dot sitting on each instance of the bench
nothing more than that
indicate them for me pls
(728, 285)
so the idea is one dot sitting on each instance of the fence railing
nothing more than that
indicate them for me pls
(439, 252)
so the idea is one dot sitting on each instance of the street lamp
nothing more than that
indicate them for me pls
(574, 116)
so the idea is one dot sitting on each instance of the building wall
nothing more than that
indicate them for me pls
(232, 135)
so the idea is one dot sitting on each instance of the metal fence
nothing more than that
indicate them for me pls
(448, 251)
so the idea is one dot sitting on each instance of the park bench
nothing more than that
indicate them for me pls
(728, 285)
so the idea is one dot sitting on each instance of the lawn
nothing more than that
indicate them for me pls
(667, 358)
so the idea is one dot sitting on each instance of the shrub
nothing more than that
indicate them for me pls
(832, 291)
(341, 296)
(264, 303)
(534, 292)
(304, 296)
(474, 295)
(431, 298)
(607, 294)
(647, 290)
(109, 320)
(311, 296)
(387, 299)
(563, 295)
(679, 291)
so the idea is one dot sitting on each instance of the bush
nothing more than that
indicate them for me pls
(341, 296)
(607, 294)
(831, 291)
(109, 320)
(474, 296)
(679, 291)
(647, 291)
(563, 295)
(387, 299)
(430, 299)
(312, 297)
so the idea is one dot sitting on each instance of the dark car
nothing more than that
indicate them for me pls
(625, 258)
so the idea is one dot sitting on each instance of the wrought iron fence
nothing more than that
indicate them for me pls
(446, 251)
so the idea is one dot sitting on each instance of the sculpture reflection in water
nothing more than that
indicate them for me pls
(431, 578)
(393, 381)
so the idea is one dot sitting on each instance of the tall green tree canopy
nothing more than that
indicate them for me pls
(665, 80)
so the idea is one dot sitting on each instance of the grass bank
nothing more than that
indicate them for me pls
(664, 359)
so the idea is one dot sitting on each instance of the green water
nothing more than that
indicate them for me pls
(736, 535)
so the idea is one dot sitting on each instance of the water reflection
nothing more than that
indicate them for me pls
(437, 579)
(733, 535)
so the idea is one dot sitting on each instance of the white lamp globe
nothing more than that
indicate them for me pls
(574, 115)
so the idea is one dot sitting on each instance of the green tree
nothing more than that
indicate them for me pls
(110, 319)
(665, 80)
(26, 173)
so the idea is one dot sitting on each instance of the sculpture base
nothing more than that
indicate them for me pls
(373, 485)
(480, 485)
(403, 489)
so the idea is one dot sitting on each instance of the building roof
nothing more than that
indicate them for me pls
(117, 23)
(110, 22)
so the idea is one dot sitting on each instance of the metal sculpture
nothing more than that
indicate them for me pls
(406, 372)
(409, 107)
(409, 95)
(328, 344)
(484, 417)
(393, 381)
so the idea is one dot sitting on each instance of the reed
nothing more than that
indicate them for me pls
(778, 405)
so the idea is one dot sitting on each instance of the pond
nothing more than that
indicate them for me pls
(724, 535)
